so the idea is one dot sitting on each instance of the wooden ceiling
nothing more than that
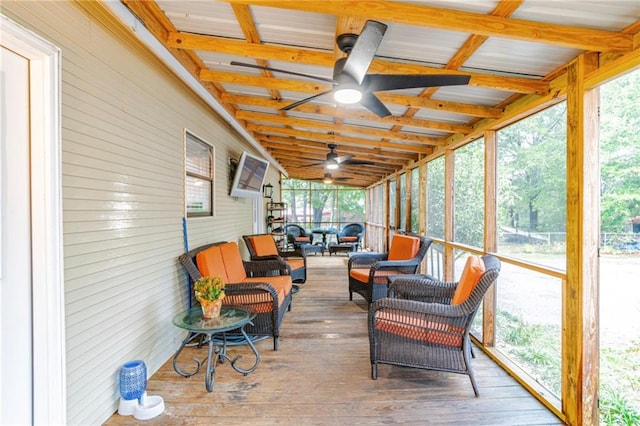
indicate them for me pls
(514, 51)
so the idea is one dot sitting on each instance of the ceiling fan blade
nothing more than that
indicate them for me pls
(373, 104)
(364, 50)
(359, 163)
(304, 101)
(260, 67)
(343, 158)
(381, 82)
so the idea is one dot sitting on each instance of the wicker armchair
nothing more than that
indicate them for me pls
(263, 247)
(427, 324)
(297, 236)
(269, 300)
(368, 272)
(351, 233)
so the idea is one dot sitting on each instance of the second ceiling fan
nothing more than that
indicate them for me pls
(333, 161)
(351, 82)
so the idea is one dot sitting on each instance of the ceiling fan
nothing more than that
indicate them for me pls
(328, 178)
(333, 160)
(351, 82)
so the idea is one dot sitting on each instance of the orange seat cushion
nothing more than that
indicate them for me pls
(471, 274)
(233, 262)
(403, 247)
(414, 326)
(210, 263)
(349, 239)
(258, 303)
(264, 245)
(303, 239)
(295, 263)
(362, 275)
(282, 284)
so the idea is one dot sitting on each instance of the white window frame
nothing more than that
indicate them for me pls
(189, 135)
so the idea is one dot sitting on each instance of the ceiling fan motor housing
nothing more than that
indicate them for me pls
(345, 42)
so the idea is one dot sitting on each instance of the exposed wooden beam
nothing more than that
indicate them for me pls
(456, 20)
(337, 139)
(297, 145)
(388, 98)
(358, 130)
(245, 20)
(320, 58)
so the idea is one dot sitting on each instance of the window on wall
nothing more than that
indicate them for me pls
(468, 192)
(198, 176)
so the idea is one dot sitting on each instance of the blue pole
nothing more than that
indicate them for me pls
(185, 236)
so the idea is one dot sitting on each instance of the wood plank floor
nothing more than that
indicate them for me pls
(322, 375)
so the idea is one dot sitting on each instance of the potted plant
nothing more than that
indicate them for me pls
(209, 292)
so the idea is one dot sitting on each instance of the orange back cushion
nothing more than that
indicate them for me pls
(264, 245)
(403, 247)
(233, 262)
(473, 270)
(210, 263)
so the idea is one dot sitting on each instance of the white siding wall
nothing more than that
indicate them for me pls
(123, 121)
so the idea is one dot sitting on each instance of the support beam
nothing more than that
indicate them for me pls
(490, 232)
(580, 338)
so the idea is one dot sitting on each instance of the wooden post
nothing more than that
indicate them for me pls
(580, 339)
(490, 232)
(407, 199)
(449, 173)
(422, 199)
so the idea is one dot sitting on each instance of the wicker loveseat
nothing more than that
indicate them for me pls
(264, 287)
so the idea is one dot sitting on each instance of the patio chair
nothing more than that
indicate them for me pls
(351, 233)
(426, 325)
(368, 272)
(297, 236)
(263, 247)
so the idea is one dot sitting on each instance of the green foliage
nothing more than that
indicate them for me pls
(469, 194)
(616, 409)
(317, 204)
(620, 152)
(532, 172)
(435, 198)
(534, 347)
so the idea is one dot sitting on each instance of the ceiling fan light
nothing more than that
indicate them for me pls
(327, 180)
(347, 95)
(332, 166)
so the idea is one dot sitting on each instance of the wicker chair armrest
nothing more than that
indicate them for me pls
(382, 265)
(292, 253)
(187, 262)
(364, 260)
(433, 310)
(421, 288)
(266, 266)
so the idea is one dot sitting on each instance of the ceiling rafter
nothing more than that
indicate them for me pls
(305, 145)
(299, 138)
(458, 20)
(361, 130)
(322, 58)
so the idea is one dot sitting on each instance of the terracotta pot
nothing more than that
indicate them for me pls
(211, 309)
